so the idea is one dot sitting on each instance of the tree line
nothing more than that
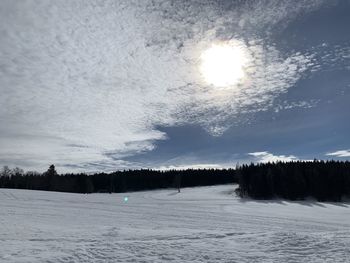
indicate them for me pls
(115, 182)
(322, 180)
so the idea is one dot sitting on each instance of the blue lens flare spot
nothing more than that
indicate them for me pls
(126, 199)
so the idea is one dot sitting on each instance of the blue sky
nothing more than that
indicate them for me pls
(92, 86)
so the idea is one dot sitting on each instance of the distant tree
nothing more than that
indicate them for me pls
(119, 181)
(325, 181)
(6, 171)
(52, 170)
(84, 184)
(51, 176)
(18, 171)
(89, 185)
(177, 181)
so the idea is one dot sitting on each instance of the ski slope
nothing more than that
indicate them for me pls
(206, 224)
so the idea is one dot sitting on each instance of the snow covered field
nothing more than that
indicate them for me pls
(207, 224)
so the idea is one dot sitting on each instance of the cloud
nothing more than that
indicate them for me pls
(287, 105)
(265, 157)
(190, 166)
(86, 84)
(341, 153)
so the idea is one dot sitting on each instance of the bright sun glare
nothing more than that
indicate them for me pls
(222, 65)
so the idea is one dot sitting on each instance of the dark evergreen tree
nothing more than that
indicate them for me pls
(177, 181)
(51, 175)
(325, 181)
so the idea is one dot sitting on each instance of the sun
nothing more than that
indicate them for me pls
(222, 65)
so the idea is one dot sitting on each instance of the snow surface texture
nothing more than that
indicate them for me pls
(207, 224)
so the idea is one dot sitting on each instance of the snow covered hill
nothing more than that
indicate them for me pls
(206, 224)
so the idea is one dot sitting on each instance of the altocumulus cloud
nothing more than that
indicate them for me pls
(265, 157)
(341, 153)
(85, 83)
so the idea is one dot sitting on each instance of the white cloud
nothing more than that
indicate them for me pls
(265, 157)
(190, 166)
(87, 83)
(341, 153)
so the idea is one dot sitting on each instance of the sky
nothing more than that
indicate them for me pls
(110, 85)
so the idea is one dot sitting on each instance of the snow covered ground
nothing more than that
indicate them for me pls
(206, 224)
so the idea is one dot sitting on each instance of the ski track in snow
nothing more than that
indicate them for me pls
(206, 224)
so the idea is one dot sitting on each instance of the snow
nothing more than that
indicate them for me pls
(205, 224)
